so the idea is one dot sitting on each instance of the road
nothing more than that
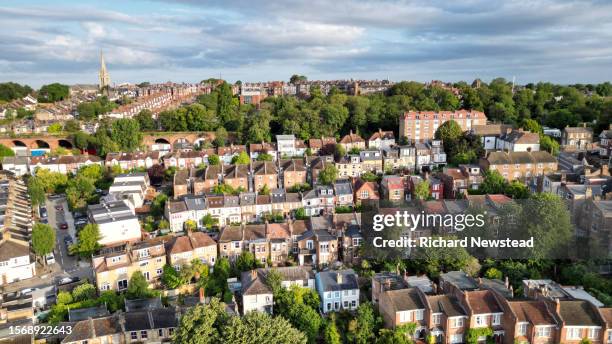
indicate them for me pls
(65, 265)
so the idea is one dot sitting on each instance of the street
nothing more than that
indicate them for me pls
(65, 265)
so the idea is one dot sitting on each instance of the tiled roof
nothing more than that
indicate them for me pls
(482, 302)
(190, 242)
(578, 313)
(445, 304)
(405, 299)
(534, 312)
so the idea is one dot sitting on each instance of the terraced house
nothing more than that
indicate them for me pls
(113, 266)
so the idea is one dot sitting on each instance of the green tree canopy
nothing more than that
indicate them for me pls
(87, 242)
(43, 239)
(328, 175)
(126, 133)
(53, 93)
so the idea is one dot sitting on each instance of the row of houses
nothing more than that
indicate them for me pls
(461, 305)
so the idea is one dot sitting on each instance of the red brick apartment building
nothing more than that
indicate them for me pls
(422, 125)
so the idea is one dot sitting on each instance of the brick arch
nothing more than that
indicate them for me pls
(19, 143)
(40, 144)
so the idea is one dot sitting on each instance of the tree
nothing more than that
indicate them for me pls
(330, 334)
(549, 144)
(53, 93)
(295, 78)
(261, 328)
(265, 190)
(202, 324)
(208, 221)
(79, 190)
(158, 204)
(449, 132)
(246, 261)
(264, 157)
(36, 190)
(214, 160)
(138, 287)
(516, 190)
(241, 159)
(10, 91)
(220, 137)
(126, 133)
(85, 291)
(88, 241)
(493, 183)
(328, 175)
(145, 120)
(224, 102)
(363, 328)
(546, 217)
(81, 140)
(305, 319)
(190, 225)
(5, 151)
(43, 239)
(171, 278)
(421, 190)
(493, 273)
(55, 128)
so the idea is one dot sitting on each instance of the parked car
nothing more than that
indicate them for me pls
(68, 240)
(27, 291)
(50, 258)
(63, 225)
(59, 208)
(43, 212)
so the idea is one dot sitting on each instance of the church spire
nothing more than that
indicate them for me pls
(104, 77)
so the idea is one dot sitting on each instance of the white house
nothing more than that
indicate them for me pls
(16, 164)
(15, 263)
(116, 221)
(337, 290)
(381, 140)
(131, 187)
(519, 141)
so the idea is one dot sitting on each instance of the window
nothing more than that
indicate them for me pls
(365, 194)
(609, 336)
(353, 304)
(143, 334)
(418, 314)
(160, 332)
(480, 320)
(329, 306)
(134, 335)
(122, 284)
(522, 329)
(496, 319)
(573, 333)
(146, 275)
(456, 323)
(345, 304)
(237, 244)
(159, 272)
(593, 333)
(542, 331)
(404, 316)
(437, 319)
(336, 305)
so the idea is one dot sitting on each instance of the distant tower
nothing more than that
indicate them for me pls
(104, 77)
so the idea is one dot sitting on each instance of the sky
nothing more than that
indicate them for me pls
(260, 40)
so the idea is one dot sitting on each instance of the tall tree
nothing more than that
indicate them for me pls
(328, 175)
(126, 132)
(36, 190)
(202, 324)
(53, 92)
(43, 239)
(261, 328)
(138, 287)
(145, 120)
(87, 242)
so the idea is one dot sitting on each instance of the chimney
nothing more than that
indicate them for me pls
(588, 193)
(253, 274)
(388, 284)
(201, 295)
(506, 282)
(479, 281)
(511, 292)
(339, 278)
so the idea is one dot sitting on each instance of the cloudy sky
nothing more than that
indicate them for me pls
(252, 40)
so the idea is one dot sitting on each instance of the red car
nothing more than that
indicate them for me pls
(64, 225)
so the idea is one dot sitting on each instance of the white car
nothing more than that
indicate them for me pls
(27, 291)
(50, 258)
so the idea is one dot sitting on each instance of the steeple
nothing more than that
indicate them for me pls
(104, 77)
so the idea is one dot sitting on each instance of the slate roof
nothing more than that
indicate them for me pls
(329, 282)
(84, 313)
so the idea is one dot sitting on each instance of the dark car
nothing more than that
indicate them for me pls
(59, 208)
(68, 240)
(43, 212)
(64, 225)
